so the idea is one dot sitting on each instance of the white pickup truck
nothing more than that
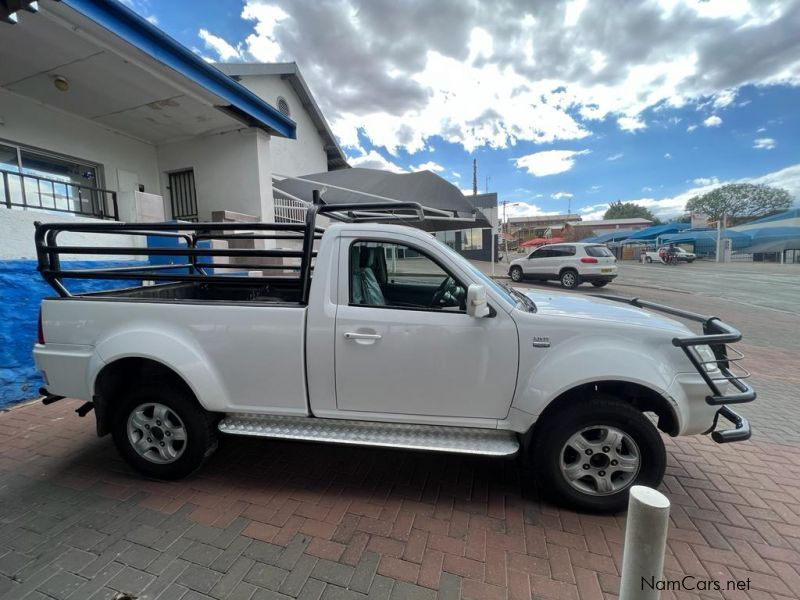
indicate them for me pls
(383, 336)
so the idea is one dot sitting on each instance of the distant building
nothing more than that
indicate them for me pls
(475, 243)
(526, 228)
(582, 229)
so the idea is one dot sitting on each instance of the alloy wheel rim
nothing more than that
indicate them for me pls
(600, 460)
(569, 279)
(156, 433)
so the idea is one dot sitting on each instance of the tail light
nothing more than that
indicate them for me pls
(588, 259)
(41, 329)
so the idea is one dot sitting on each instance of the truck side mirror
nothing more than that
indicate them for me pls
(476, 301)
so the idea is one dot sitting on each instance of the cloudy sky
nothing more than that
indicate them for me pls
(565, 104)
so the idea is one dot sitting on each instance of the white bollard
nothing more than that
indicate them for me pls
(645, 543)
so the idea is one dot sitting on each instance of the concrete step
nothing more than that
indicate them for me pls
(460, 440)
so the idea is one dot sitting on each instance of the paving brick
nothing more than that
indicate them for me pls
(334, 592)
(131, 581)
(312, 590)
(267, 576)
(61, 585)
(199, 579)
(407, 591)
(333, 572)
(201, 554)
(365, 572)
(298, 577)
(450, 587)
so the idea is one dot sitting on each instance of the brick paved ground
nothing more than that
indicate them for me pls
(268, 520)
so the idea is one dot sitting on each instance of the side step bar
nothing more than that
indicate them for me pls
(460, 440)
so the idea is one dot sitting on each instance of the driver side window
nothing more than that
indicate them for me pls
(391, 275)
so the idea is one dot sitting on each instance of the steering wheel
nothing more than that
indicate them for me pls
(444, 288)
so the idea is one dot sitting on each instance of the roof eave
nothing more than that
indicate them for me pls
(138, 32)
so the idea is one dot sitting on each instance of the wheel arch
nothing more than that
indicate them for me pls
(123, 373)
(641, 397)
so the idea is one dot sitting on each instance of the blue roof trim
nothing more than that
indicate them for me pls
(138, 32)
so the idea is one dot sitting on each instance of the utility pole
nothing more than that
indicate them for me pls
(505, 230)
(474, 176)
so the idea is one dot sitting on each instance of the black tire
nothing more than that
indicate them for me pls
(600, 283)
(569, 279)
(200, 431)
(601, 411)
(515, 273)
(647, 259)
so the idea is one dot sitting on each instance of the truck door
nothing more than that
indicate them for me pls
(404, 343)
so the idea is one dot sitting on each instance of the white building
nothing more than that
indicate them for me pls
(102, 115)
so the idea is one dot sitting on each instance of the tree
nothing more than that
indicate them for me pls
(629, 210)
(740, 200)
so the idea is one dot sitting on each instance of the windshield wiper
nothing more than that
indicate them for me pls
(530, 304)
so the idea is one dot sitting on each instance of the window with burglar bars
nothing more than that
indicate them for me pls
(183, 196)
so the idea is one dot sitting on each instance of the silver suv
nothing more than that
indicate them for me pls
(571, 264)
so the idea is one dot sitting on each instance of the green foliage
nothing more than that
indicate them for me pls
(629, 210)
(740, 200)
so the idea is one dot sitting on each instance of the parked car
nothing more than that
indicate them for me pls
(571, 264)
(681, 254)
(384, 337)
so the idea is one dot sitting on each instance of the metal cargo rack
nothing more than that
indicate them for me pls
(194, 262)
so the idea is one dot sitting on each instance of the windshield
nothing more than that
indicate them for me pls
(487, 281)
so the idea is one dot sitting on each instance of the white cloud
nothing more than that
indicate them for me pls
(647, 188)
(615, 156)
(549, 162)
(703, 181)
(490, 74)
(691, 128)
(561, 195)
(225, 51)
(429, 166)
(668, 156)
(524, 209)
(152, 19)
(763, 143)
(374, 160)
(631, 123)
(712, 121)
(664, 208)
(761, 129)
(456, 174)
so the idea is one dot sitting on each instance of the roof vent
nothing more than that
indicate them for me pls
(283, 106)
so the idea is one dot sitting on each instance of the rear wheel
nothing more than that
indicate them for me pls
(647, 259)
(162, 432)
(515, 273)
(570, 279)
(590, 453)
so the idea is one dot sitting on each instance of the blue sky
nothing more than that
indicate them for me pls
(573, 105)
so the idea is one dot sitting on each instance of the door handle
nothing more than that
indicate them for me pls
(353, 335)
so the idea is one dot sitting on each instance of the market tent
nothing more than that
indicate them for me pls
(358, 185)
(652, 233)
(705, 240)
(774, 239)
(790, 218)
(612, 236)
(540, 242)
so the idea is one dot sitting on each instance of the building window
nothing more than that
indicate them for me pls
(472, 239)
(448, 237)
(283, 106)
(36, 179)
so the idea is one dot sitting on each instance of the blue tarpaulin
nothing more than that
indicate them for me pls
(651, 233)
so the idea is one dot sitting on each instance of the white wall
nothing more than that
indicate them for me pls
(16, 235)
(301, 156)
(26, 122)
(231, 171)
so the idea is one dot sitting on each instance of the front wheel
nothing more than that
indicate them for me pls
(569, 279)
(161, 432)
(516, 274)
(590, 453)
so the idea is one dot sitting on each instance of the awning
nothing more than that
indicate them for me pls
(540, 242)
(360, 185)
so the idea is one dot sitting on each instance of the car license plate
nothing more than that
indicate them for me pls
(606, 270)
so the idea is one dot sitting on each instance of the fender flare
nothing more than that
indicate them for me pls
(171, 349)
(599, 360)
